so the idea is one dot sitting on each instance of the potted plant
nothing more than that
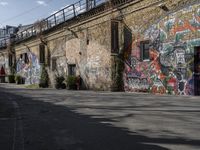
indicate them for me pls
(18, 79)
(44, 78)
(2, 75)
(71, 82)
(11, 78)
(60, 82)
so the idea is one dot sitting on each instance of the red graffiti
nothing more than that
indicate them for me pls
(154, 55)
(158, 90)
(185, 26)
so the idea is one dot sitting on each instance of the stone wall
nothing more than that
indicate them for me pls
(85, 45)
(171, 27)
(173, 35)
(30, 70)
(4, 61)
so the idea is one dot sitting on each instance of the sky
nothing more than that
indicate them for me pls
(15, 12)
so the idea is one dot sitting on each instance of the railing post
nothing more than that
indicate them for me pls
(55, 18)
(31, 31)
(74, 10)
(47, 23)
(94, 3)
(87, 5)
(64, 14)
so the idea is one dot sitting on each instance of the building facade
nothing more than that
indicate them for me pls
(141, 46)
(164, 54)
(6, 35)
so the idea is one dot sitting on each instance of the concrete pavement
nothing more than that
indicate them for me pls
(86, 120)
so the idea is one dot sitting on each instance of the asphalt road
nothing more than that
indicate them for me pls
(47, 119)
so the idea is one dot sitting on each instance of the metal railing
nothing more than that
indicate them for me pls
(59, 17)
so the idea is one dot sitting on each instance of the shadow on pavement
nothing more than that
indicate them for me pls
(53, 127)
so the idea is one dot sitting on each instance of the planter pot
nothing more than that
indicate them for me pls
(2, 79)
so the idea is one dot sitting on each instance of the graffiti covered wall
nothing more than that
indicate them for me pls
(29, 71)
(91, 56)
(169, 69)
(58, 53)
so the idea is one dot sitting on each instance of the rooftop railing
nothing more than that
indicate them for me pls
(67, 13)
(61, 16)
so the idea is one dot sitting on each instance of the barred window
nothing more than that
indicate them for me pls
(54, 64)
(42, 53)
(10, 61)
(144, 48)
(114, 37)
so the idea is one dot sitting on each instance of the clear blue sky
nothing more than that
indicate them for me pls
(15, 12)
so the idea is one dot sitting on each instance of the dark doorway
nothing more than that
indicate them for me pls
(197, 71)
(114, 37)
(127, 40)
(42, 53)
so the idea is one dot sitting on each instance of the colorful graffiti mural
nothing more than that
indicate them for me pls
(170, 66)
(29, 71)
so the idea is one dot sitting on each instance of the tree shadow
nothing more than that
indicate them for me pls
(49, 126)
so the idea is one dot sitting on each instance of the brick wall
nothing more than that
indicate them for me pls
(170, 27)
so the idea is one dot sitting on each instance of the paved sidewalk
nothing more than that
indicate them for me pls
(6, 124)
(89, 120)
(12, 85)
(10, 121)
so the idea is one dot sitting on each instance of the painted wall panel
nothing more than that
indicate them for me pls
(170, 68)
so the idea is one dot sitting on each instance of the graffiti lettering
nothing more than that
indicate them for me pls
(29, 71)
(172, 42)
(137, 83)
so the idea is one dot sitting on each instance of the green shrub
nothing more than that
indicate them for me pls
(60, 82)
(117, 73)
(32, 86)
(11, 78)
(18, 79)
(44, 78)
(71, 82)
